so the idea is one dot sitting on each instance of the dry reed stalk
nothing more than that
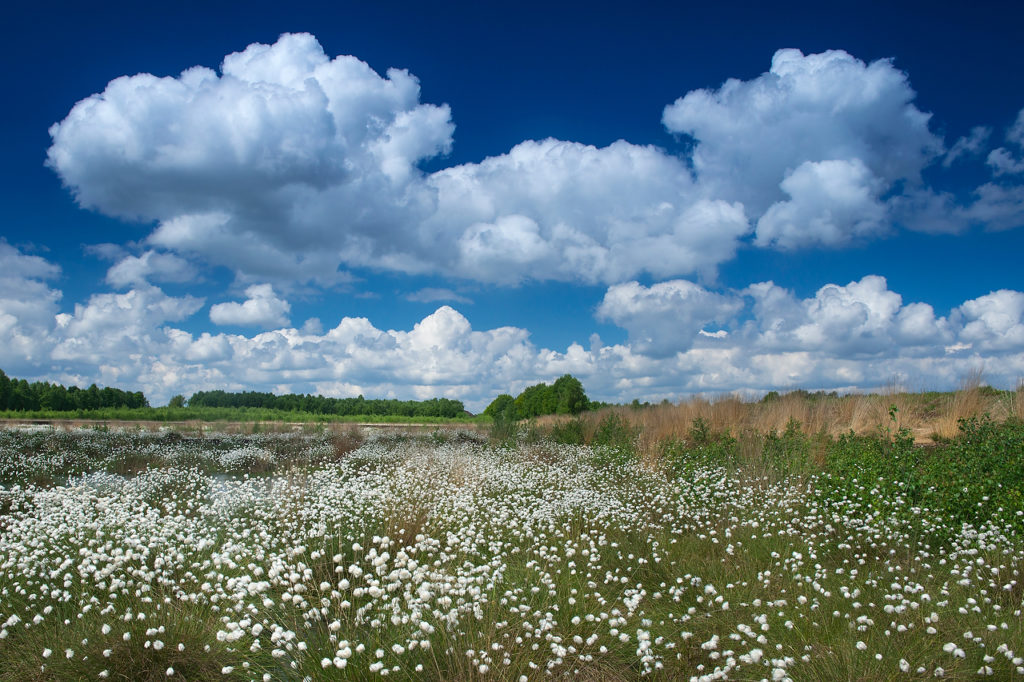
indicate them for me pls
(965, 403)
(829, 415)
(1015, 407)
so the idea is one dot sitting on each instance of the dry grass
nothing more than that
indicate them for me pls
(928, 416)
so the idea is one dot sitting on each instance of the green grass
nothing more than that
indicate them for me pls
(524, 558)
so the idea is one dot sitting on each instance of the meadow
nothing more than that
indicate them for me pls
(580, 548)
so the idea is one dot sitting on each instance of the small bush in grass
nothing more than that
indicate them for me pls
(504, 430)
(789, 452)
(569, 432)
(614, 440)
(702, 450)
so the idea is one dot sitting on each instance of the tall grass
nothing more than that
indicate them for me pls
(928, 416)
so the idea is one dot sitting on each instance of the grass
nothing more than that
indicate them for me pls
(784, 554)
(929, 416)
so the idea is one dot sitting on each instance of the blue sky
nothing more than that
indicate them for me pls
(411, 201)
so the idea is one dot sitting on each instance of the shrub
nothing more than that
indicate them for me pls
(614, 440)
(568, 432)
(788, 453)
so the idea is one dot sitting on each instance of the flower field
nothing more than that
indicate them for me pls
(271, 557)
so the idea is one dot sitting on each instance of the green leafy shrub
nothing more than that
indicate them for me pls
(787, 453)
(569, 432)
(701, 449)
(503, 430)
(614, 440)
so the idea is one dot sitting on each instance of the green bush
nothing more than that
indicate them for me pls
(788, 453)
(569, 432)
(614, 440)
(978, 475)
(702, 448)
(503, 430)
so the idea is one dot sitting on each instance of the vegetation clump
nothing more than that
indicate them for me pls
(565, 396)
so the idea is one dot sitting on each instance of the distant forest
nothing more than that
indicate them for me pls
(316, 404)
(20, 395)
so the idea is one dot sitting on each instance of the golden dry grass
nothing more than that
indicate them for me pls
(928, 416)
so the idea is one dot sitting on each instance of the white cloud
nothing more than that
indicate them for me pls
(110, 328)
(568, 211)
(925, 210)
(1004, 163)
(863, 318)
(150, 266)
(831, 203)
(968, 145)
(819, 107)
(287, 166)
(997, 207)
(667, 317)
(994, 322)
(1002, 160)
(683, 338)
(27, 307)
(280, 128)
(262, 308)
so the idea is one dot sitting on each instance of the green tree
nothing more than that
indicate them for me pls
(502, 407)
(569, 395)
(177, 401)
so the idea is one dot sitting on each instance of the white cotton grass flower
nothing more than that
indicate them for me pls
(259, 557)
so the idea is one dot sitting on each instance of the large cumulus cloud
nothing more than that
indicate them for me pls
(830, 106)
(234, 157)
(289, 166)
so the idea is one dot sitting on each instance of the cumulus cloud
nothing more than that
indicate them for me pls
(807, 108)
(683, 338)
(151, 266)
(262, 308)
(994, 322)
(27, 306)
(861, 319)
(562, 210)
(844, 337)
(240, 153)
(667, 317)
(287, 165)
(831, 203)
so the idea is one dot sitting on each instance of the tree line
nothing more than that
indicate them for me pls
(318, 404)
(565, 396)
(20, 395)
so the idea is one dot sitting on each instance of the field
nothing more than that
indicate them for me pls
(449, 555)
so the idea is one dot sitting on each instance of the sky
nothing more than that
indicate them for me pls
(461, 200)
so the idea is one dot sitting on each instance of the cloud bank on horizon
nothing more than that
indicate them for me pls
(288, 167)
